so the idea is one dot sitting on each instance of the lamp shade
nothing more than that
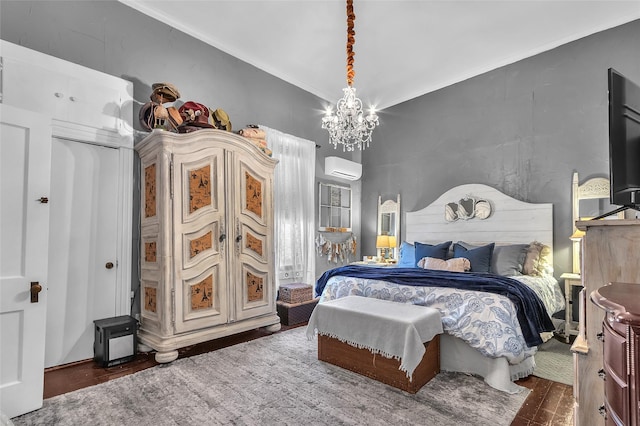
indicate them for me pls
(382, 241)
(392, 241)
(577, 236)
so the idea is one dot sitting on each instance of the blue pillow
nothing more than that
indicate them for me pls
(438, 251)
(407, 255)
(480, 257)
(508, 260)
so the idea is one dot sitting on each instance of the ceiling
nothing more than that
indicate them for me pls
(403, 49)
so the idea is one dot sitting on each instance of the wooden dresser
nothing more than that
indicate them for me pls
(621, 338)
(610, 253)
(207, 250)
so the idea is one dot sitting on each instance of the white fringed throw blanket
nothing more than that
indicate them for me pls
(394, 330)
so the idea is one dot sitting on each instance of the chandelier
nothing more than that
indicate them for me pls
(349, 127)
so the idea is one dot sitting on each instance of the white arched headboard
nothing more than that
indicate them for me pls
(511, 221)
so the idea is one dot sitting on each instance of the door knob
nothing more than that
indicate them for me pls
(35, 289)
(43, 200)
(109, 265)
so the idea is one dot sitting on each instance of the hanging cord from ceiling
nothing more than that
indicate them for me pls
(351, 39)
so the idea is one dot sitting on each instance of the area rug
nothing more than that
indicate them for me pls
(275, 379)
(554, 361)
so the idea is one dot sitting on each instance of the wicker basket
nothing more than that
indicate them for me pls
(295, 293)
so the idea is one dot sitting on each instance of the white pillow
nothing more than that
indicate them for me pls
(458, 264)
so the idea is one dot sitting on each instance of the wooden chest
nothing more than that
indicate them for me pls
(377, 367)
(295, 313)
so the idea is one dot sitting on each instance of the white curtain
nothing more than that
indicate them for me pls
(294, 206)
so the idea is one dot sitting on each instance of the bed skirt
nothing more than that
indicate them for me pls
(456, 355)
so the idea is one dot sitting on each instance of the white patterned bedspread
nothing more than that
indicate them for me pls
(486, 321)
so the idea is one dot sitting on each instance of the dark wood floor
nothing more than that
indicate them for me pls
(549, 403)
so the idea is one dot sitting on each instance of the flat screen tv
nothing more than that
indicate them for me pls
(624, 142)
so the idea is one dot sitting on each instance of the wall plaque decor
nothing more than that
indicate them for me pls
(467, 208)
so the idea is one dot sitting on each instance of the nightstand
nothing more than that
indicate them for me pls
(570, 280)
(374, 261)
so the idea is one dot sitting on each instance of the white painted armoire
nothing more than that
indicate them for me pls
(207, 260)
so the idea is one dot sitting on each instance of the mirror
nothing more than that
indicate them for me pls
(589, 199)
(590, 208)
(389, 224)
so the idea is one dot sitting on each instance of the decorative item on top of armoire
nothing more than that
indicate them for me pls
(621, 340)
(154, 114)
(256, 135)
(610, 253)
(195, 116)
(207, 269)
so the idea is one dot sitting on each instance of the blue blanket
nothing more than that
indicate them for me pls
(532, 315)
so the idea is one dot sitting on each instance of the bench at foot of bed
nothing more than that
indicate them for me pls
(377, 367)
(394, 343)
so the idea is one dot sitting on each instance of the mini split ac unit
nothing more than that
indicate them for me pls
(342, 168)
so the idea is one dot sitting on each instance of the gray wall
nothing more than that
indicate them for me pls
(523, 129)
(111, 37)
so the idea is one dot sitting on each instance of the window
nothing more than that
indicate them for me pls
(335, 208)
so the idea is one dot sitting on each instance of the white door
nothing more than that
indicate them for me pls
(82, 247)
(25, 158)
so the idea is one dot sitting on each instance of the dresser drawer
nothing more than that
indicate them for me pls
(615, 353)
(617, 394)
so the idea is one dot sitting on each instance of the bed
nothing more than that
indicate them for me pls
(488, 333)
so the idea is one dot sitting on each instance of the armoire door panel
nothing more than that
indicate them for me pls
(200, 185)
(201, 245)
(201, 299)
(253, 214)
(253, 294)
(254, 188)
(150, 256)
(149, 183)
(150, 295)
(254, 244)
